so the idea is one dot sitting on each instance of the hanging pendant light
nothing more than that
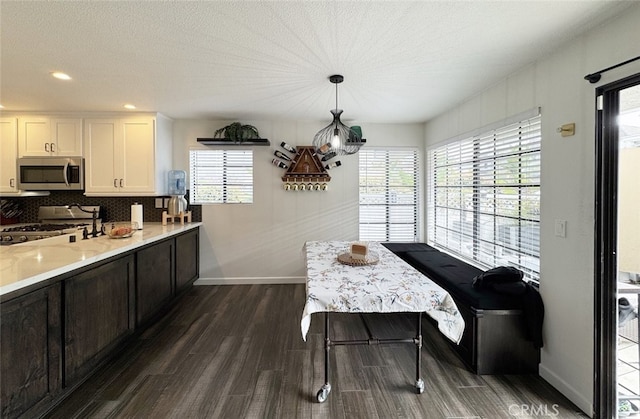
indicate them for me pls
(336, 138)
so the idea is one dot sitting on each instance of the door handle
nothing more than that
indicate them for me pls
(53, 148)
(64, 173)
(121, 184)
(46, 147)
(115, 183)
(12, 182)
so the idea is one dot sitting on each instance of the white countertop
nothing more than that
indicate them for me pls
(25, 264)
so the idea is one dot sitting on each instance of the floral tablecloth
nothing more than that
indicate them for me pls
(389, 286)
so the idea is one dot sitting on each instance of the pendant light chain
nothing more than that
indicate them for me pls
(336, 104)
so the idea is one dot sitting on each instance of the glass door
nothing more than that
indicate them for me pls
(628, 252)
(617, 258)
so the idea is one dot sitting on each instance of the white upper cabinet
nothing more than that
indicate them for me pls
(100, 146)
(126, 156)
(8, 155)
(44, 136)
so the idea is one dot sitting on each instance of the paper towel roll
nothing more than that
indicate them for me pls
(136, 214)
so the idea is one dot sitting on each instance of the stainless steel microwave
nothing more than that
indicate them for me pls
(50, 173)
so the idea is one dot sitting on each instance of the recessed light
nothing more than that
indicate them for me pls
(60, 76)
(129, 106)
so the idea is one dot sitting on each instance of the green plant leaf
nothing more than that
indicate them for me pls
(237, 132)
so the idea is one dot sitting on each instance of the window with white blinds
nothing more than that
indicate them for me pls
(389, 204)
(484, 197)
(221, 176)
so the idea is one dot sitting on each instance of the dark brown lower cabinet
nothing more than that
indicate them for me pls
(53, 338)
(30, 335)
(187, 259)
(99, 314)
(154, 279)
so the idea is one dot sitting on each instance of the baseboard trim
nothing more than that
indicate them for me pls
(251, 280)
(567, 390)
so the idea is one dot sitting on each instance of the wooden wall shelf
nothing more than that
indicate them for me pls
(224, 141)
(306, 167)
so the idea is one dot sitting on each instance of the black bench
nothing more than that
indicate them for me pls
(494, 339)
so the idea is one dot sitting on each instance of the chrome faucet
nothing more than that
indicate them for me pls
(94, 218)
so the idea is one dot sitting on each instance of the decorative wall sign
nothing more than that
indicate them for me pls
(305, 170)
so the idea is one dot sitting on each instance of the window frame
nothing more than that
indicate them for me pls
(526, 252)
(230, 159)
(412, 152)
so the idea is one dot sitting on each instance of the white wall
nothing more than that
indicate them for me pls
(556, 84)
(262, 242)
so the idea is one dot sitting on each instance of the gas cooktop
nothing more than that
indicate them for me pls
(29, 228)
(55, 221)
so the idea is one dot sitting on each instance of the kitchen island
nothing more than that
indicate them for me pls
(27, 264)
(67, 307)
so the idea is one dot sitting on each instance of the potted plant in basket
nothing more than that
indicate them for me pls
(237, 132)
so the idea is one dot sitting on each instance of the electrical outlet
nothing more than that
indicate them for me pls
(158, 202)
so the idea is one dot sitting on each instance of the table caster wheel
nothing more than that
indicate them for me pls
(419, 386)
(323, 393)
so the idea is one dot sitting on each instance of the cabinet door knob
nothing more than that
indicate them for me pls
(46, 147)
(12, 182)
(53, 148)
(121, 183)
(115, 183)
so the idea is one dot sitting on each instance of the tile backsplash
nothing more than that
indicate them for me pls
(112, 208)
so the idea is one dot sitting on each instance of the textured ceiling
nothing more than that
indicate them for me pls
(402, 61)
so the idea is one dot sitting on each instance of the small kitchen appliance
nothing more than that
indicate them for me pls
(177, 204)
(50, 173)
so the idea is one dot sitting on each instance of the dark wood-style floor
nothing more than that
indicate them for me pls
(237, 352)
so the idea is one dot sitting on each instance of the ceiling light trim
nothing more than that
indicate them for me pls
(60, 75)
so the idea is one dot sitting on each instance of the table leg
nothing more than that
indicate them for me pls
(324, 391)
(418, 340)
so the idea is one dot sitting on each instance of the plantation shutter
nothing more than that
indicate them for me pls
(221, 176)
(388, 195)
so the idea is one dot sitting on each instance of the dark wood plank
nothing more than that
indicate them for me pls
(237, 351)
(359, 404)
